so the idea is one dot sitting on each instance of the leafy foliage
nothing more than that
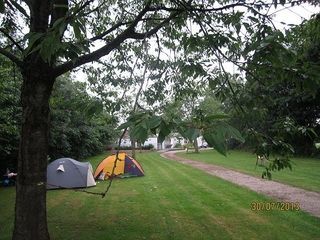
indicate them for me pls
(287, 86)
(213, 127)
(278, 101)
(80, 126)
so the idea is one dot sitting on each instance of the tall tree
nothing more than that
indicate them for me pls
(78, 119)
(284, 95)
(60, 34)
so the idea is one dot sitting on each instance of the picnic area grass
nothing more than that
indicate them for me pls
(172, 201)
(305, 171)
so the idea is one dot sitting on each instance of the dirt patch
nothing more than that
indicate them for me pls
(309, 201)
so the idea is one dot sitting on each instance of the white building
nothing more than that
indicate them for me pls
(174, 141)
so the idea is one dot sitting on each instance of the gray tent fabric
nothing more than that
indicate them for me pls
(69, 173)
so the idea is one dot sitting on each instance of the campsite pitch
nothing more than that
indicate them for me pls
(172, 201)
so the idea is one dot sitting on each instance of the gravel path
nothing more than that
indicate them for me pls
(309, 201)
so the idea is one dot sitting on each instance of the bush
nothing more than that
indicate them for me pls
(123, 148)
(187, 145)
(148, 147)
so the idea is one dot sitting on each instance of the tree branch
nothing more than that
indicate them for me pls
(126, 86)
(140, 15)
(59, 10)
(87, 3)
(93, 10)
(223, 55)
(218, 9)
(105, 50)
(190, 8)
(93, 56)
(114, 27)
(12, 57)
(136, 102)
(20, 9)
(119, 24)
(11, 39)
(149, 33)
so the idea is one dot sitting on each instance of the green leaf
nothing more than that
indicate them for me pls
(33, 37)
(216, 117)
(232, 132)
(58, 22)
(117, 107)
(253, 19)
(137, 117)
(217, 141)
(139, 133)
(95, 107)
(125, 125)
(313, 133)
(190, 133)
(153, 131)
(164, 130)
(238, 27)
(49, 46)
(154, 122)
(78, 29)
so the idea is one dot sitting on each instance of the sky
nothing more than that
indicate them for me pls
(293, 15)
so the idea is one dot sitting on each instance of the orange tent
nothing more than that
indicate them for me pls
(125, 166)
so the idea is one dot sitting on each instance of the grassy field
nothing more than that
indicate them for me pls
(305, 172)
(172, 201)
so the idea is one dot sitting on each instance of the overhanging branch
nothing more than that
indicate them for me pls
(11, 39)
(93, 56)
(105, 50)
(189, 7)
(114, 27)
(149, 33)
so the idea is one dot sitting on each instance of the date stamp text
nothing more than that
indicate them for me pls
(269, 206)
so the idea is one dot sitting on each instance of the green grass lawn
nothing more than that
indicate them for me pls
(305, 172)
(172, 201)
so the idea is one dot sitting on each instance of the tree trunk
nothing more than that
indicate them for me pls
(30, 209)
(196, 147)
(139, 146)
(133, 148)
